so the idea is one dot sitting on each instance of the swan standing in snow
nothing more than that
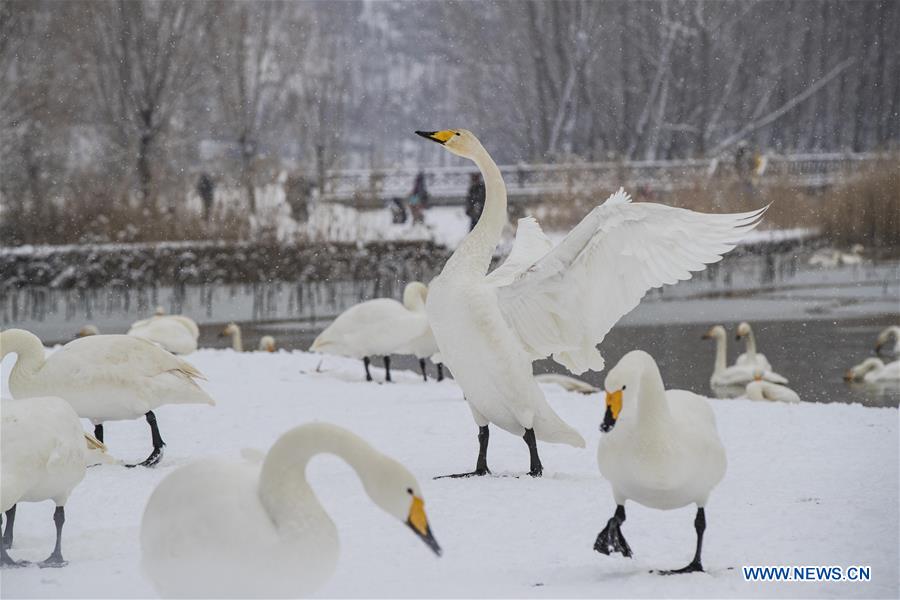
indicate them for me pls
(238, 528)
(43, 458)
(873, 370)
(735, 375)
(382, 327)
(884, 339)
(233, 331)
(750, 358)
(104, 378)
(176, 333)
(267, 344)
(661, 449)
(558, 301)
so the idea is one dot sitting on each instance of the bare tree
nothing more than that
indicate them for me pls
(141, 59)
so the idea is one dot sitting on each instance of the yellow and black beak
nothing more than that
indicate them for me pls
(613, 408)
(441, 137)
(418, 522)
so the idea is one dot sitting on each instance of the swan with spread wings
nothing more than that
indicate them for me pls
(553, 301)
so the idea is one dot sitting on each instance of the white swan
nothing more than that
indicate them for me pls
(239, 528)
(735, 375)
(43, 458)
(233, 331)
(104, 378)
(750, 358)
(759, 389)
(267, 343)
(382, 327)
(558, 301)
(570, 384)
(660, 449)
(176, 333)
(874, 370)
(87, 330)
(884, 339)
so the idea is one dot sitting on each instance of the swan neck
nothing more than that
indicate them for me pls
(29, 351)
(652, 406)
(751, 343)
(237, 342)
(720, 364)
(475, 252)
(283, 488)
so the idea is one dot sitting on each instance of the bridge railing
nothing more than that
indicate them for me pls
(527, 181)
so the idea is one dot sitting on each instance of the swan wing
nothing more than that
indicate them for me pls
(113, 357)
(568, 300)
(530, 245)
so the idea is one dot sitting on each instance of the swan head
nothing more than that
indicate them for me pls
(460, 142)
(395, 490)
(230, 329)
(622, 385)
(742, 330)
(885, 336)
(267, 343)
(855, 373)
(87, 330)
(715, 332)
(414, 295)
(159, 311)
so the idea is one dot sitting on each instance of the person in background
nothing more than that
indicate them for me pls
(475, 199)
(418, 199)
(206, 189)
(297, 190)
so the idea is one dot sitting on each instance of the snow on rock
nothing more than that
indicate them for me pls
(807, 484)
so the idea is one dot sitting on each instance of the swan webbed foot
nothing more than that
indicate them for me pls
(55, 561)
(694, 567)
(6, 562)
(611, 539)
(150, 461)
(475, 473)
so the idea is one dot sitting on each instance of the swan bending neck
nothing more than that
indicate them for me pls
(27, 347)
(282, 481)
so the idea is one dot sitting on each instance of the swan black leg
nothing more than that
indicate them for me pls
(158, 444)
(695, 565)
(8, 532)
(440, 370)
(611, 539)
(422, 366)
(366, 362)
(5, 559)
(56, 559)
(387, 368)
(537, 469)
(481, 467)
(98, 431)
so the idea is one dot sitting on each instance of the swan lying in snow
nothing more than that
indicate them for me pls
(735, 375)
(104, 378)
(554, 301)
(43, 458)
(255, 529)
(176, 333)
(750, 358)
(760, 389)
(873, 370)
(660, 448)
(570, 384)
(267, 344)
(884, 339)
(382, 327)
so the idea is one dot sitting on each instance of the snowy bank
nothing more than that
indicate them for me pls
(806, 484)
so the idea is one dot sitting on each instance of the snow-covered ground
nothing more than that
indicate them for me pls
(806, 485)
